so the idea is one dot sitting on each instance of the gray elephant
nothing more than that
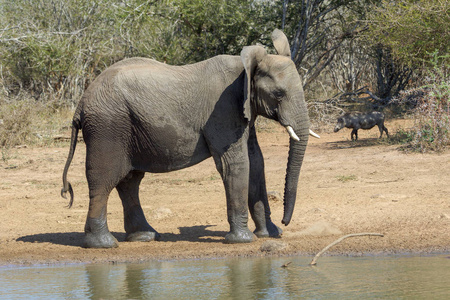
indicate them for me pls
(141, 116)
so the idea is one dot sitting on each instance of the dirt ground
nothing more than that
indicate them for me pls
(345, 187)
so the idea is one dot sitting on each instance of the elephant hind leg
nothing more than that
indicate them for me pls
(96, 230)
(102, 178)
(136, 225)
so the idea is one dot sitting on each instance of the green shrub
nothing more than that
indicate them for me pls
(431, 130)
(413, 30)
(54, 49)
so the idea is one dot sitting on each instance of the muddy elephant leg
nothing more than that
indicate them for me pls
(96, 230)
(102, 176)
(257, 195)
(234, 169)
(136, 226)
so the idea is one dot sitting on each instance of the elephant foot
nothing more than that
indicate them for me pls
(143, 236)
(271, 230)
(105, 240)
(242, 236)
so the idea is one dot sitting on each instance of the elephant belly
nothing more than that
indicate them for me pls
(160, 155)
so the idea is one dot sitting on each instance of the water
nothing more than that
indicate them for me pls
(396, 277)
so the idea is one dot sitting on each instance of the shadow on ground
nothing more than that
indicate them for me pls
(195, 234)
(356, 144)
(65, 238)
(189, 234)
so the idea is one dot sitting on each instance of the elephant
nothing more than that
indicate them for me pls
(140, 115)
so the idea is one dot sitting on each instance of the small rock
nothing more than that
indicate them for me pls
(271, 246)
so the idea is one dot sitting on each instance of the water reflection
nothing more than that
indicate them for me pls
(258, 278)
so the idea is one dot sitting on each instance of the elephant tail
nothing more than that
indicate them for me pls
(67, 187)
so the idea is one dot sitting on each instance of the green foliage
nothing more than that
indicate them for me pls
(54, 49)
(214, 26)
(414, 30)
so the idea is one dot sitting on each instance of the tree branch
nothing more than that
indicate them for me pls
(314, 261)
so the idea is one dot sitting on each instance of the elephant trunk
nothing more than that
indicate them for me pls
(295, 160)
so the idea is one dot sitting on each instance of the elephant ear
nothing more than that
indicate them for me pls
(250, 57)
(281, 43)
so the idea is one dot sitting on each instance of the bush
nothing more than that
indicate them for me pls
(15, 124)
(23, 120)
(54, 49)
(413, 30)
(431, 131)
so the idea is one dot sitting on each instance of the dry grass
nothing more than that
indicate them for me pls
(25, 121)
(431, 130)
(323, 115)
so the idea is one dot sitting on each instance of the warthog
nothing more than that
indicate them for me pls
(357, 120)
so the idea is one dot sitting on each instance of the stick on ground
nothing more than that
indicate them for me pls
(314, 261)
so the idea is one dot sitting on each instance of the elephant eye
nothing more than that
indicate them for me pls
(278, 94)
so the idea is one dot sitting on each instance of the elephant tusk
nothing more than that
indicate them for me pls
(314, 134)
(292, 134)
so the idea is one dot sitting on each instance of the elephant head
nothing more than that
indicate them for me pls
(273, 89)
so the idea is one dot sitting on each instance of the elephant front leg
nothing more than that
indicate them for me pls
(257, 197)
(260, 212)
(235, 178)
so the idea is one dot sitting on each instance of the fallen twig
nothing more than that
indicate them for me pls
(314, 261)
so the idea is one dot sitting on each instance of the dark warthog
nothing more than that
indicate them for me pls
(357, 120)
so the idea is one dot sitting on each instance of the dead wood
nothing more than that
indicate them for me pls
(314, 261)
